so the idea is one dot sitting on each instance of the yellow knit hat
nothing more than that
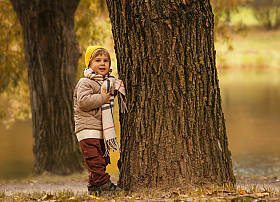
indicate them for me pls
(89, 52)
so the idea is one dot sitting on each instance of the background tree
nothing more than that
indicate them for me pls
(267, 12)
(13, 73)
(174, 132)
(224, 29)
(51, 55)
(91, 26)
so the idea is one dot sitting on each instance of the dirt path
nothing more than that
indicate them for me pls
(79, 186)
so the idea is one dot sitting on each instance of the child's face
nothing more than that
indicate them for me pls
(101, 64)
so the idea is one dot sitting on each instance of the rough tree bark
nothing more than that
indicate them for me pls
(51, 54)
(174, 133)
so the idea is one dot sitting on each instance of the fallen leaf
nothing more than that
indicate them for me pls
(93, 197)
(138, 197)
(242, 192)
(208, 193)
(260, 195)
(166, 196)
(183, 195)
(222, 200)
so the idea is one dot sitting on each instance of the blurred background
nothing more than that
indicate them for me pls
(247, 41)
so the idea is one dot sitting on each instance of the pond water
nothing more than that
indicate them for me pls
(251, 104)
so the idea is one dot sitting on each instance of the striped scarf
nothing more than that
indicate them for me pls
(109, 82)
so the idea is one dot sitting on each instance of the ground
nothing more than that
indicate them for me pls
(255, 189)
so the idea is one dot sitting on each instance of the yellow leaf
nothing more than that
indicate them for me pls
(260, 195)
(242, 192)
(93, 197)
(47, 196)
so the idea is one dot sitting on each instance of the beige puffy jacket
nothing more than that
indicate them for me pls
(87, 105)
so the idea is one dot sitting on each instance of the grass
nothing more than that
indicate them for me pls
(253, 191)
(260, 49)
(214, 193)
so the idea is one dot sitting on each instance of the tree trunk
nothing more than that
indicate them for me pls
(51, 54)
(174, 132)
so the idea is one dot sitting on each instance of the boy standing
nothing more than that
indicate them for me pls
(94, 126)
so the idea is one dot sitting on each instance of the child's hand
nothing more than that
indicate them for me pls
(108, 95)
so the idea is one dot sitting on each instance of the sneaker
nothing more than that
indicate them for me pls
(109, 189)
(93, 190)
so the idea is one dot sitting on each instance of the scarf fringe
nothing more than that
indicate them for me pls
(111, 144)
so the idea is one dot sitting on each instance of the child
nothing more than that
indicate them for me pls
(94, 126)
